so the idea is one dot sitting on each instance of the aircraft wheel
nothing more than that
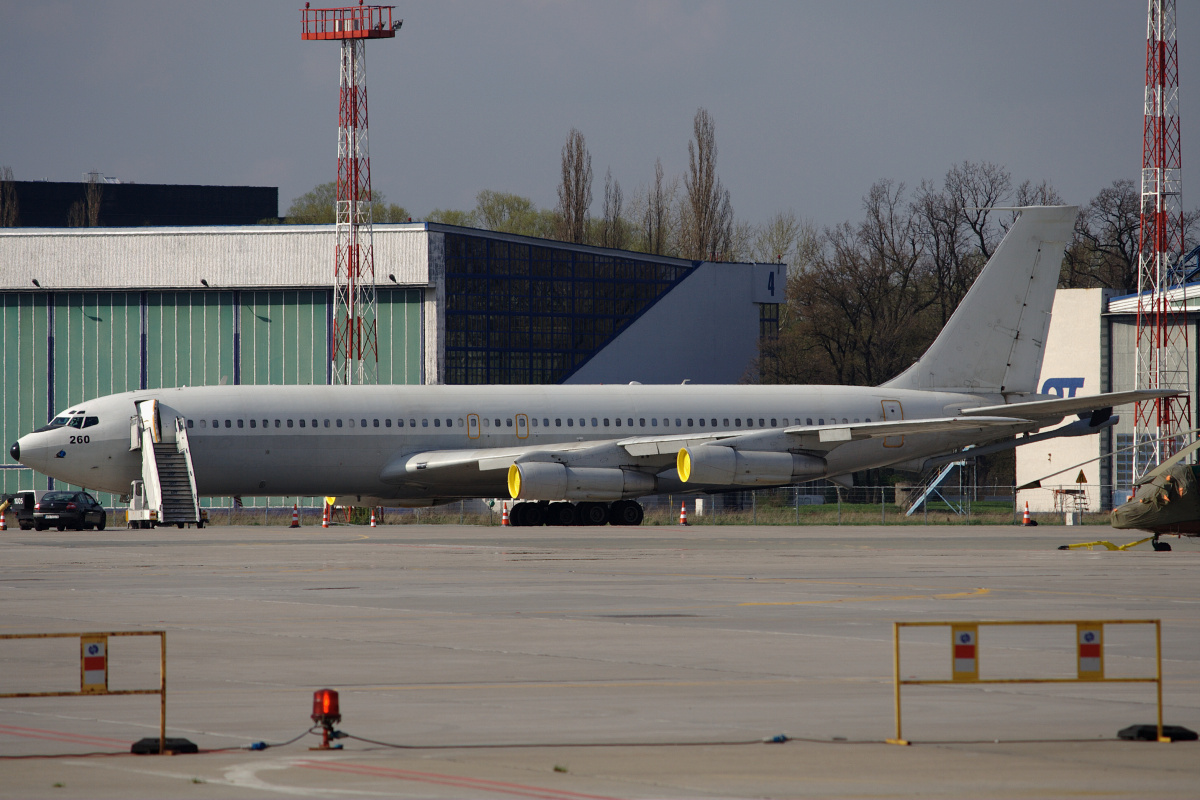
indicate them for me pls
(562, 514)
(1161, 547)
(516, 517)
(533, 515)
(593, 513)
(625, 512)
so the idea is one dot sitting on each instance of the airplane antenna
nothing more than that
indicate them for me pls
(1162, 327)
(353, 348)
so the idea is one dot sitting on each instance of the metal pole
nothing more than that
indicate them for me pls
(796, 497)
(162, 685)
(1158, 684)
(754, 504)
(896, 678)
(882, 511)
(839, 497)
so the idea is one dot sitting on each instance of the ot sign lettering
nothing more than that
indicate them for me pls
(1063, 387)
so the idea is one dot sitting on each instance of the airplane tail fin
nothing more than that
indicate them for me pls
(995, 340)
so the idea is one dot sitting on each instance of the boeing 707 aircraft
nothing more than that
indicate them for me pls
(586, 453)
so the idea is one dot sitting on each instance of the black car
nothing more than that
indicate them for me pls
(62, 510)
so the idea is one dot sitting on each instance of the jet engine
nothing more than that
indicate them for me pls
(725, 466)
(542, 480)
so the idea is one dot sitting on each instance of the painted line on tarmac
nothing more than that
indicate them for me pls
(881, 598)
(61, 736)
(458, 782)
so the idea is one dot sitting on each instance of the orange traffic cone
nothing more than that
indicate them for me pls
(325, 517)
(1025, 519)
(683, 513)
(504, 514)
(372, 517)
(295, 516)
(3, 520)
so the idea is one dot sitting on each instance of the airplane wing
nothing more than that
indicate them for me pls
(1042, 409)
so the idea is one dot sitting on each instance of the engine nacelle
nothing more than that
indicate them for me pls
(542, 480)
(725, 466)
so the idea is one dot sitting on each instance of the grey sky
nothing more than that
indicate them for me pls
(812, 101)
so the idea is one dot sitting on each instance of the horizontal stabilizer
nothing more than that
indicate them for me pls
(1060, 407)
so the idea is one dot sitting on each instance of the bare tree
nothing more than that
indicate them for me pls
(657, 222)
(707, 218)
(9, 210)
(85, 213)
(575, 190)
(1104, 251)
(614, 231)
(976, 189)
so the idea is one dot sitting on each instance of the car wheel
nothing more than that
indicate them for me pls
(103, 521)
(40, 526)
(61, 527)
(25, 526)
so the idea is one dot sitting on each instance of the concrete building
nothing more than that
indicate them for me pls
(87, 312)
(1090, 348)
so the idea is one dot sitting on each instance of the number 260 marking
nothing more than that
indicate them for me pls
(80, 439)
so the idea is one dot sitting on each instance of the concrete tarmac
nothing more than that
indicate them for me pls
(580, 663)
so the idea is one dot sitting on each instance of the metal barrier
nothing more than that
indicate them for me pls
(93, 670)
(964, 655)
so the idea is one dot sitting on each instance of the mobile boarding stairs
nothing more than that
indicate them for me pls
(166, 494)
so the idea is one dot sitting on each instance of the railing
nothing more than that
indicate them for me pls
(352, 22)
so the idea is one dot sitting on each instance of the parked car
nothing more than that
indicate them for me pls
(62, 510)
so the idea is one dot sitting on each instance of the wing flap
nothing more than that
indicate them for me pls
(1061, 407)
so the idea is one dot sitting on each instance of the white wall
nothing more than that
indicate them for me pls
(1072, 354)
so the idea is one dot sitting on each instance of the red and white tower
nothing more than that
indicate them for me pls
(1162, 344)
(354, 348)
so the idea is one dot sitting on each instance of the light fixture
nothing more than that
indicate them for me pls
(392, 278)
(204, 281)
(326, 714)
(35, 283)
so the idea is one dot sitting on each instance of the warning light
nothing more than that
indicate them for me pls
(325, 713)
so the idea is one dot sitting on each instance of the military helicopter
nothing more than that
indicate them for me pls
(1166, 500)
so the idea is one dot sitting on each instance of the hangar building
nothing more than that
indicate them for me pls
(86, 312)
(1090, 348)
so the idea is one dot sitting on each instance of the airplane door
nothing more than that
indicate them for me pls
(893, 412)
(522, 426)
(472, 426)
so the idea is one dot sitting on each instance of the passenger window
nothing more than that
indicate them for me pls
(487, 423)
(387, 423)
(738, 422)
(594, 425)
(339, 423)
(570, 422)
(461, 424)
(351, 421)
(606, 422)
(314, 423)
(497, 423)
(508, 423)
(424, 423)
(677, 423)
(203, 423)
(845, 421)
(277, 423)
(216, 423)
(241, 423)
(666, 422)
(253, 423)
(326, 423)
(90, 421)
(726, 422)
(289, 423)
(301, 423)
(618, 422)
(545, 422)
(534, 421)
(437, 423)
(868, 419)
(412, 423)
(654, 422)
(821, 421)
(785, 422)
(808, 421)
(364, 423)
(266, 423)
(376, 425)
(228, 423)
(772, 422)
(701, 422)
(689, 423)
(714, 422)
(558, 423)
(641, 422)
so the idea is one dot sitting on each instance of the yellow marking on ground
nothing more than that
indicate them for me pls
(878, 598)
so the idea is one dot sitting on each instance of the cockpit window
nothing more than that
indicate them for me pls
(76, 422)
(90, 421)
(58, 422)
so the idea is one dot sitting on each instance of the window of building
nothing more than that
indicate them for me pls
(768, 321)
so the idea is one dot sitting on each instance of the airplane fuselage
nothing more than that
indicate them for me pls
(353, 441)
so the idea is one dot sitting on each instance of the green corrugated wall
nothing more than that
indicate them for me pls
(95, 348)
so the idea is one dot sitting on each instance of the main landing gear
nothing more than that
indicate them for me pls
(621, 512)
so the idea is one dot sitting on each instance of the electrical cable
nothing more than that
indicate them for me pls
(778, 739)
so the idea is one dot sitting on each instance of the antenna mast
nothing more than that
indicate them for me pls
(1162, 328)
(353, 347)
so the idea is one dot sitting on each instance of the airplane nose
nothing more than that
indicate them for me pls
(15, 451)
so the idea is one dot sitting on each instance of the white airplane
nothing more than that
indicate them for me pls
(583, 454)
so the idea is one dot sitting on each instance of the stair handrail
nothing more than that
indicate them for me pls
(184, 447)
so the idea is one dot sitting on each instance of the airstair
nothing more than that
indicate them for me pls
(168, 491)
(921, 497)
